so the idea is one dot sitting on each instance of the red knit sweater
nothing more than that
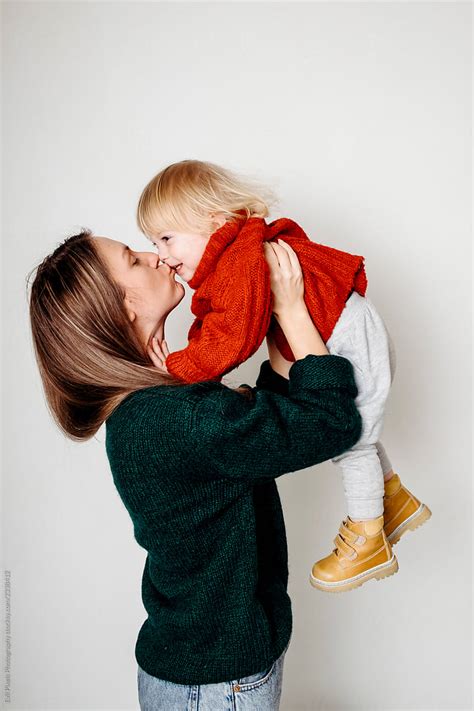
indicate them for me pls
(232, 302)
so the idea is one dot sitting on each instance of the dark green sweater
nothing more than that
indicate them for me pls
(195, 467)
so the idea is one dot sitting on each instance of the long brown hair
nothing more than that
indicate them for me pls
(88, 353)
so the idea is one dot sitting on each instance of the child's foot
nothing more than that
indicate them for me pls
(402, 511)
(362, 552)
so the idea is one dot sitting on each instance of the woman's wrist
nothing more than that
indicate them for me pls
(288, 313)
(277, 363)
(302, 335)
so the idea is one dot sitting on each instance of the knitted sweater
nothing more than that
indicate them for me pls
(195, 466)
(233, 300)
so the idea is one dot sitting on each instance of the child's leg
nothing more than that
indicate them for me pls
(362, 479)
(362, 337)
(381, 451)
(362, 550)
(384, 461)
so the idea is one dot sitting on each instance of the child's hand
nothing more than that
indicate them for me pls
(158, 353)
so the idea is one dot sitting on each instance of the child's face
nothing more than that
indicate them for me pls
(181, 251)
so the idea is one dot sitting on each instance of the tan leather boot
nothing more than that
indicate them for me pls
(362, 552)
(402, 510)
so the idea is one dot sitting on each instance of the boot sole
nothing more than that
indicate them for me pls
(384, 570)
(417, 519)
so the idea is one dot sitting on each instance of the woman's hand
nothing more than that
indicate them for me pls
(289, 306)
(286, 278)
(158, 352)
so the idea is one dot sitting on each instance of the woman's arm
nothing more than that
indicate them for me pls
(289, 308)
(273, 434)
(208, 431)
(278, 363)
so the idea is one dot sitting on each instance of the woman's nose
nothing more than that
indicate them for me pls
(152, 258)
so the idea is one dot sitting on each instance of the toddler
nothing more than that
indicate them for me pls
(209, 224)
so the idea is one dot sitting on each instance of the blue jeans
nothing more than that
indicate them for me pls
(257, 692)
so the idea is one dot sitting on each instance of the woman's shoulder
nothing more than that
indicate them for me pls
(168, 422)
(163, 400)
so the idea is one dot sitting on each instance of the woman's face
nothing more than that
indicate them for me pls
(151, 289)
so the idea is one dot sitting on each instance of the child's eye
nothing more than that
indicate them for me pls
(165, 238)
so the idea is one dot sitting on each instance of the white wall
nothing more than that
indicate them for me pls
(358, 114)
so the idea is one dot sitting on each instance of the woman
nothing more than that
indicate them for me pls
(195, 465)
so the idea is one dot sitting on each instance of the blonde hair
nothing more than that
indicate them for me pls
(88, 353)
(185, 194)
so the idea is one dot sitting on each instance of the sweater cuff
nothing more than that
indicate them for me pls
(268, 379)
(319, 372)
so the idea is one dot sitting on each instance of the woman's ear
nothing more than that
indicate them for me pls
(129, 309)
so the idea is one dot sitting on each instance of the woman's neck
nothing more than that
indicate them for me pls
(146, 333)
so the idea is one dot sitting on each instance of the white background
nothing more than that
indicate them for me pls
(358, 114)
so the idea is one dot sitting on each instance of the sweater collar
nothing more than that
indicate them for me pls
(218, 242)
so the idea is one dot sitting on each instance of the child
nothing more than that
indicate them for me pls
(209, 225)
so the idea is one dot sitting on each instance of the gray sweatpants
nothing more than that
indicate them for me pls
(360, 335)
